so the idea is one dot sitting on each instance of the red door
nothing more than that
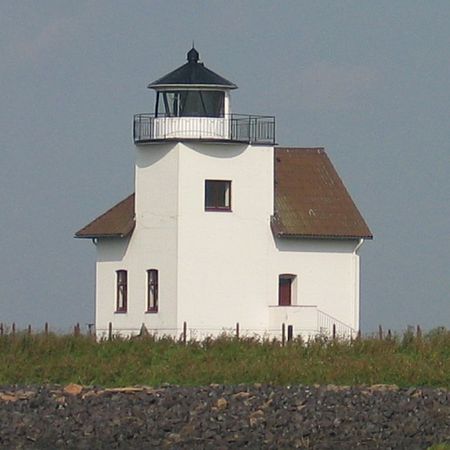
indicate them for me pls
(284, 291)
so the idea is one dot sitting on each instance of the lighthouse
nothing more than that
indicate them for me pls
(224, 227)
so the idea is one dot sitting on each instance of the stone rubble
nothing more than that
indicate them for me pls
(223, 417)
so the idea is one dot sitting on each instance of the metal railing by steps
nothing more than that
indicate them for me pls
(325, 323)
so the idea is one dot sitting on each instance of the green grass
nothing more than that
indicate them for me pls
(403, 360)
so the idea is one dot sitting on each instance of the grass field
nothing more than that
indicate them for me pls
(403, 360)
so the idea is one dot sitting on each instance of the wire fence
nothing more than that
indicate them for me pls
(184, 334)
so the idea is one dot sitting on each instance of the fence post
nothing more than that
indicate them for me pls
(358, 336)
(109, 331)
(334, 331)
(1, 329)
(290, 333)
(237, 330)
(184, 332)
(283, 334)
(29, 330)
(389, 334)
(13, 328)
(380, 332)
(418, 332)
(46, 328)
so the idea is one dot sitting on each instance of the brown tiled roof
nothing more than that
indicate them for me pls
(310, 201)
(116, 222)
(310, 198)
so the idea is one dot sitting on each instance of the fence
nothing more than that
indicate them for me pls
(285, 334)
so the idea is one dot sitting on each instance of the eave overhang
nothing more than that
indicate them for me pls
(117, 222)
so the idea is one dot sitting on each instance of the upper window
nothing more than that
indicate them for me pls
(152, 290)
(190, 103)
(122, 291)
(217, 195)
(285, 289)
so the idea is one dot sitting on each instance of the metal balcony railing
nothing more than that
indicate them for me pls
(234, 127)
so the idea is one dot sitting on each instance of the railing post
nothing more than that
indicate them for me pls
(283, 334)
(290, 333)
(13, 328)
(46, 328)
(184, 333)
(380, 332)
(418, 332)
(29, 330)
(110, 331)
(1, 329)
(237, 330)
(334, 331)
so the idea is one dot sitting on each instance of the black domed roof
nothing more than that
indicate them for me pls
(193, 73)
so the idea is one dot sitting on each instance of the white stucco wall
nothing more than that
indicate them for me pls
(223, 269)
(153, 245)
(327, 274)
(219, 268)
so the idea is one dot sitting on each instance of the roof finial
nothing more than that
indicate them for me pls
(193, 55)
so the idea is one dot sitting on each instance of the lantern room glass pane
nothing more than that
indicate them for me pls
(191, 104)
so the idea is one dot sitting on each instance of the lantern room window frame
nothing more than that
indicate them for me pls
(190, 103)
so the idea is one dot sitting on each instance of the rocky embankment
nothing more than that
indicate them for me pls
(223, 417)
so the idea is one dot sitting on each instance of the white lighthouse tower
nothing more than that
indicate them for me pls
(223, 227)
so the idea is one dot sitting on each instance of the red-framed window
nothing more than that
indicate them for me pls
(152, 290)
(121, 291)
(285, 289)
(217, 195)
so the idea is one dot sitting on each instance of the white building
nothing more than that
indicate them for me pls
(224, 226)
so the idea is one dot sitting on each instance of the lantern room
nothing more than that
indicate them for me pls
(193, 102)
(192, 90)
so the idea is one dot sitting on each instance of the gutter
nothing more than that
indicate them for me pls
(356, 287)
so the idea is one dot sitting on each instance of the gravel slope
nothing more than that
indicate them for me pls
(223, 417)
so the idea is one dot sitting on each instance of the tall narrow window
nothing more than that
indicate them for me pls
(285, 288)
(152, 290)
(217, 195)
(122, 291)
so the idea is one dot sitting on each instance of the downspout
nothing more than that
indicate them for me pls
(356, 285)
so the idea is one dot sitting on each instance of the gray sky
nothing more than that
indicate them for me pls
(368, 80)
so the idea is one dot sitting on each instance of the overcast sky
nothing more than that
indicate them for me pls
(367, 80)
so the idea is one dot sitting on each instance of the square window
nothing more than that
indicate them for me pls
(217, 195)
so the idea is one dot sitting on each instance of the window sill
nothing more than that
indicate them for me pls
(151, 311)
(120, 312)
(218, 210)
(292, 306)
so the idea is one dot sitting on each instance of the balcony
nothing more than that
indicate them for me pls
(234, 127)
